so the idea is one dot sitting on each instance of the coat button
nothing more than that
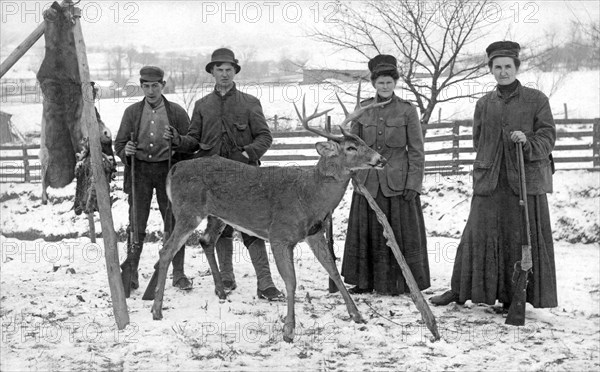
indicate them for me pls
(150, 156)
(380, 132)
(151, 145)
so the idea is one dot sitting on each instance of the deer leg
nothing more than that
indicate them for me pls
(213, 231)
(44, 189)
(178, 237)
(284, 254)
(318, 245)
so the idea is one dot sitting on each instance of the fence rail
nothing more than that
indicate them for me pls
(577, 145)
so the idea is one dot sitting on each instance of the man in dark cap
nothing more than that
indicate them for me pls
(231, 124)
(141, 135)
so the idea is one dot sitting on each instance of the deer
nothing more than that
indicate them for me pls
(294, 205)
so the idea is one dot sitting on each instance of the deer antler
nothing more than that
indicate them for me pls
(304, 119)
(360, 110)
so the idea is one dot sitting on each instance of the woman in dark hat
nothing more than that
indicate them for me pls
(394, 131)
(491, 241)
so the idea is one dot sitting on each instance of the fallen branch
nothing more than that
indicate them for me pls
(415, 292)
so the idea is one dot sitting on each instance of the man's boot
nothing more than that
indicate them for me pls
(179, 279)
(224, 247)
(260, 260)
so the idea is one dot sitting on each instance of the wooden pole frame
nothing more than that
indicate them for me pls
(88, 118)
(109, 237)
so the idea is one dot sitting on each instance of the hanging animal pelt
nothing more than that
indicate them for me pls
(63, 135)
(60, 82)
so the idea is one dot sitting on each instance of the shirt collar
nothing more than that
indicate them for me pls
(229, 92)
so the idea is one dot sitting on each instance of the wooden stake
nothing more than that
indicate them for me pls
(92, 224)
(22, 48)
(388, 233)
(88, 117)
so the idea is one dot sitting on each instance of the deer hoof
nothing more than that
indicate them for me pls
(288, 332)
(156, 313)
(221, 293)
(358, 318)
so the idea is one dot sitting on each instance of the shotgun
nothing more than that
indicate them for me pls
(516, 312)
(133, 247)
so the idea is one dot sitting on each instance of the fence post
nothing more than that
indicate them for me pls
(26, 169)
(566, 111)
(455, 145)
(596, 142)
(275, 123)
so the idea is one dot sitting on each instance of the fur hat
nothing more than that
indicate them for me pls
(382, 62)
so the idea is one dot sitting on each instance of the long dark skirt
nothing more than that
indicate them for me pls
(368, 262)
(491, 244)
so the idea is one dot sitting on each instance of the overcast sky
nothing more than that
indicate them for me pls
(272, 28)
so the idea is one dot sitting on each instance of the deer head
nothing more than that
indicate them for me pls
(348, 151)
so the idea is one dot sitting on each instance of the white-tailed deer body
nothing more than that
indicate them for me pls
(281, 204)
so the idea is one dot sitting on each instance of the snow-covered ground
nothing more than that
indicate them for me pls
(56, 311)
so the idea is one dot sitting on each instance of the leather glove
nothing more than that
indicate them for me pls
(409, 194)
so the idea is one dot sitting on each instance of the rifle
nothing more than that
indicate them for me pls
(151, 288)
(516, 312)
(133, 247)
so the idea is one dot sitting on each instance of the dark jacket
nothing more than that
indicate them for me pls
(178, 118)
(394, 131)
(526, 110)
(237, 113)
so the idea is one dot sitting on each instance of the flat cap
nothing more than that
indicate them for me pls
(151, 73)
(503, 49)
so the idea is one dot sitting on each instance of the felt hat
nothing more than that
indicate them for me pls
(151, 73)
(223, 55)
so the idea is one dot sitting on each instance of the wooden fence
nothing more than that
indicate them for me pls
(448, 150)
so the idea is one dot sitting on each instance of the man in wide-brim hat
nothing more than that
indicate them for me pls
(231, 124)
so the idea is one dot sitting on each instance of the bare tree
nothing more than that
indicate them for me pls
(431, 39)
(186, 79)
(132, 55)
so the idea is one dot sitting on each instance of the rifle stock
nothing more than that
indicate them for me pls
(133, 244)
(516, 312)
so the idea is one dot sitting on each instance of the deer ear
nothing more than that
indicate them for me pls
(327, 149)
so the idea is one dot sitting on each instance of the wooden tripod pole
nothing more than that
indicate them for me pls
(388, 233)
(88, 117)
(24, 46)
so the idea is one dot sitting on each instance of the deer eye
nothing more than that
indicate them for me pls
(351, 148)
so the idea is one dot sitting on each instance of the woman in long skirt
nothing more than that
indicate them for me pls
(395, 132)
(495, 230)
